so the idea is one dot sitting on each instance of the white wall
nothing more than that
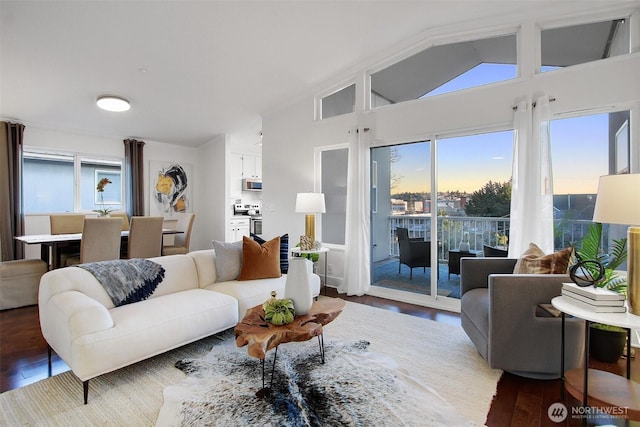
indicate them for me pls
(291, 134)
(212, 193)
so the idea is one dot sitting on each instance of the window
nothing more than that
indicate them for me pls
(338, 103)
(50, 184)
(334, 186)
(446, 68)
(578, 44)
(584, 148)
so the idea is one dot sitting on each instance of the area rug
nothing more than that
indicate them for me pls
(354, 387)
(435, 355)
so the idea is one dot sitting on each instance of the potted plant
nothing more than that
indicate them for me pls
(102, 212)
(606, 342)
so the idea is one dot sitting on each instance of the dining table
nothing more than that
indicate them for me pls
(51, 243)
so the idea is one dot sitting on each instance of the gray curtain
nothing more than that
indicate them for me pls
(11, 214)
(134, 176)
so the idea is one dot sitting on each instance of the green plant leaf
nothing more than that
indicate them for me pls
(619, 254)
(589, 249)
(590, 245)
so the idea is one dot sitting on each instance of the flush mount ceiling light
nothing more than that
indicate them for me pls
(113, 103)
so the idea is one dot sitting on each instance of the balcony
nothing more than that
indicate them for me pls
(481, 231)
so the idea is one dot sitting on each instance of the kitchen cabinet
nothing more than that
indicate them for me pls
(246, 166)
(252, 166)
(238, 227)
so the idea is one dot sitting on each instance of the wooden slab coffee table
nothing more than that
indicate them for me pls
(261, 336)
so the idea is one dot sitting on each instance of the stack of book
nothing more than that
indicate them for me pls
(598, 300)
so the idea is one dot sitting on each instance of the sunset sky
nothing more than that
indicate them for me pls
(579, 149)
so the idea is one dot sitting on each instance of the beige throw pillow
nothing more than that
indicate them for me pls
(534, 261)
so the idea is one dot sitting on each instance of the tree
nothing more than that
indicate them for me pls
(493, 199)
(394, 157)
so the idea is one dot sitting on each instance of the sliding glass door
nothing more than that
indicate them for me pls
(474, 198)
(401, 199)
(468, 210)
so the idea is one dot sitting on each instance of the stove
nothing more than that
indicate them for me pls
(251, 210)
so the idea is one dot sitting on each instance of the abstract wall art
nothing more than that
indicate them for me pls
(170, 188)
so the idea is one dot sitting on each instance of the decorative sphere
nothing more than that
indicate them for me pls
(586, 273)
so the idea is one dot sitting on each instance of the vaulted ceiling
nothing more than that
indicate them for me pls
(194, 70)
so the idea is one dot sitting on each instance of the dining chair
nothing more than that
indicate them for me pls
(66, 224)
(100, 241)
(145, 237)
(182, 240)
(125, 219)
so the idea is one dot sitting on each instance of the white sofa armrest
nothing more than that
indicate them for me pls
(69, 315)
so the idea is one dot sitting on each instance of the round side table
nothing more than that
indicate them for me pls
(322, 250)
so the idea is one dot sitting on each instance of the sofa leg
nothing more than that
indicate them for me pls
(85, 389)
(49, 351)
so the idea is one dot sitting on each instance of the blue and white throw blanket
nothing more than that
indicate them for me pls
(127, 280)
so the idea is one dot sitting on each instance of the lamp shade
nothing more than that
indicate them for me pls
(617, 201)
(310, 203)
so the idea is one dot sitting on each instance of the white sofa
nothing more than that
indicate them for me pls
(82, 325)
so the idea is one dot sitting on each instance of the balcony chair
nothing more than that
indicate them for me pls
(182, 240)
(145, 237)
(100, 241)
(492, 252)
(414, 252)
(501, 314)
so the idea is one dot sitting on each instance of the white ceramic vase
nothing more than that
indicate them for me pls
(298, 286)
(464, 247)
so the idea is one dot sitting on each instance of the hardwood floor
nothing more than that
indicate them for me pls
(518, 401)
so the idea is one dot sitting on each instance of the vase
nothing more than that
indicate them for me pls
(606, 345)
(464, 247)
(298, 286)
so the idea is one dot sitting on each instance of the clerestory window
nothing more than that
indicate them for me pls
(578, 44)
(446, 68)
(340, 102)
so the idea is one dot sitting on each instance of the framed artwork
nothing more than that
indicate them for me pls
(170, 188)
(622, 149)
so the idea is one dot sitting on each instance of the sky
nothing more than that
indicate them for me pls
(579, 150)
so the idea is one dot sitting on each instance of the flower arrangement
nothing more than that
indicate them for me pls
(501, 239)
(100, 188)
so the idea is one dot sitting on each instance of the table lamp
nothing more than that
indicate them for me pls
(618, 203)
(310, 204)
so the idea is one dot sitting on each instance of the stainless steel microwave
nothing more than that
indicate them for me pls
(252, 184)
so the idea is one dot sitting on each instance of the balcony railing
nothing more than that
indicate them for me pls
(479, 230)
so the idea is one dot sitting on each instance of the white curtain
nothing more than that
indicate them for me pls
(357, 273)
(532, 182)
